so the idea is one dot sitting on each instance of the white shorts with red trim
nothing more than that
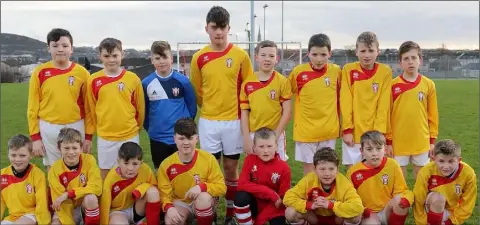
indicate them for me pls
(108, 151)
(218, 135)
(304, 151)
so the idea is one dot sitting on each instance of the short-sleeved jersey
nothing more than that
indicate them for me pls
(346, 202)
(365, 98)
(316, 112)
(264, 100)
(77, 183)
(114, 99)
(414, 116)
(460, 191)
(118, 192)
(54, 90)
(26, 195)
(175, 178)
(217, 78)
(386, 181)
(267, 181)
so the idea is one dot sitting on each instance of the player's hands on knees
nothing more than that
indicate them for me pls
(248, 146)
(193, 192)
(389, 151)
(87, 146)
(56, 204)
(172, 216)
(348, 139)
(38, 149)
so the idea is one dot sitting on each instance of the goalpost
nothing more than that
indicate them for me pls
(293, 54)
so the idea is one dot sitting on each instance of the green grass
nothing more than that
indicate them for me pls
(457, 101)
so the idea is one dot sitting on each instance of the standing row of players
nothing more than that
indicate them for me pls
(368, 101)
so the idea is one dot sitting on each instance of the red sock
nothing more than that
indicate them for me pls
(434, 218)
(204, 216)
(152, 213)
(243, 215)
(230, 196)
(49, 200)
(396, 219)
(92, 216)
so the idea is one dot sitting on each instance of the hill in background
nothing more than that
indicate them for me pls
(19, 44)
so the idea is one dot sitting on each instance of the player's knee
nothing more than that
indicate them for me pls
(436, 199)
(90, 201)
(203, 201)
(56, 222)
(292, 215)
(353, 220)
(242, 199)
(152, 194)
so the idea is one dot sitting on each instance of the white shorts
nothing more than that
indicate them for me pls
(49, 133)
(304, 151)
(281, 144)
(108, 151)
(190, 207)
(77, 215)
(351, 155)
(383, 217)
(29, 216)
(217, 136)
(127, 212)
(417, 160)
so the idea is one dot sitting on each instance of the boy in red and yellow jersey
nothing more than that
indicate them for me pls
(316, 114)
(56, 98)
(217, 73)
(263, 182)
(382, 176)
(414, 112)
(75, 182)
(129, 192)
(117, 105)
(364, 97)
(446, 189)
(265, 100)
(324, 196)
(23, 187)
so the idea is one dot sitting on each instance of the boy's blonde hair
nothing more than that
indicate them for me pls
(373, 137)
(69, 135)
(447, 147)
(368, 38)
(263, 133)
(19, 141)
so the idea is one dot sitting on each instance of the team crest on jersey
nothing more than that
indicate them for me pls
(458, 189)
(197, 179)
(173, 171)
(397, 90)
(71, 79)
(64, 180)
(275, 177)
(175, 91)
(272, 94)
(29, 188)
(385, 179)
(420, 96)
(121, 86)
(375, 87)
(359, 176)
(83, 179)
(327, 81)
(254, 168)
(229, 62)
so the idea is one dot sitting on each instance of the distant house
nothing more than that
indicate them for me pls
(471, 70)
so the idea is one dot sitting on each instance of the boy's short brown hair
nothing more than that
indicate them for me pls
(109, 44)
(368, 38)
(374, 137)
(219, 16)
(447, 147)
(265, 44)
(69, 135)
(56, 33)
(19, 141)
(319, 40)
(325, 154)
(186, 127)
(263, 133)
(130, 150)
(407, 46)
(160, 48)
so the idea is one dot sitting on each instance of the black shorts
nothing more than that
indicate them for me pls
(160, 151)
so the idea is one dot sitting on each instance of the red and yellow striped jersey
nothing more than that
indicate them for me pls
(264, 100)
(365, 98)
(52, 90)
(414, 116)
(316, 111)
(217, 78)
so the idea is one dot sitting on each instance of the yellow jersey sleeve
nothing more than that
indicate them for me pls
(295, 197)
(196, 79)
(106, 201)
(432, 112)
(215, 184)
(42, 214)
(94, 183)
(34, 105)
(346, 101)
(383, 107)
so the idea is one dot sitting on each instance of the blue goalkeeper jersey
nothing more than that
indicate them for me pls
(166, 101)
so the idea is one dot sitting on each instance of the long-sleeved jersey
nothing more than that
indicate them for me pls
(217, 78)
(166, 101)
(460, 191)
(365, 98)
(175, 178)
(385, 181)
(77, 183)
(316, 111)
(264, 100)
(116, 104)
(346, 202)
(118, 192)
(26, 195)
(267, 181)
(414, 116)
(52, 90)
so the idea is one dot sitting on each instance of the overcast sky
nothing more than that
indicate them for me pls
(138, 24)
